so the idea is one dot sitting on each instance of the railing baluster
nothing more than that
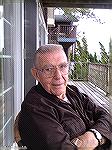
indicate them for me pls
(97, 74)
(61, 31)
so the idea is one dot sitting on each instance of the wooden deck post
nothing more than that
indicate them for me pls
(110, 79)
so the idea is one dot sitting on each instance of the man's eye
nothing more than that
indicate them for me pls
(63, 66)
(49, 69)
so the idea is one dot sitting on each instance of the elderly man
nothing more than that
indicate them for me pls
(56, 116)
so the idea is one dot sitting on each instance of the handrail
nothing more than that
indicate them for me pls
(61, 31)
(97, 74)
(53, 30)
(66, 30)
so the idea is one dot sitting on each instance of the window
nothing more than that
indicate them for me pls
(11, 52)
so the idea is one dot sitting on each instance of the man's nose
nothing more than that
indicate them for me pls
(57, 73)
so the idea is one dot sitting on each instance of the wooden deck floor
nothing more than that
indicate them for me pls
(97, 95)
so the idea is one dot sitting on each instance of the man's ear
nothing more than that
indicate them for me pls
(34, 73)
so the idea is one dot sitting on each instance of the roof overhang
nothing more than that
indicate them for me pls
(104, 4)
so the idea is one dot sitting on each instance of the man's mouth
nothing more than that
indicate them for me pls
(57, 84)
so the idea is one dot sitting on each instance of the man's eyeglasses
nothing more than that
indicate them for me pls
(49, 70)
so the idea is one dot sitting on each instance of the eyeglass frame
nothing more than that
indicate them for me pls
(50, 66)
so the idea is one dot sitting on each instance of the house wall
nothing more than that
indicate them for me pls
(29, 42)
(22, 31)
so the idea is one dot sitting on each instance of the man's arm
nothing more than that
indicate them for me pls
(16, 130)
(102, 125)
(39, 128)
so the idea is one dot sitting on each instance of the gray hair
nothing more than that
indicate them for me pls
(48, 48)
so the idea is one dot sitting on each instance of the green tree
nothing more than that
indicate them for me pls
(81, 59)
(95, 58)
(82, 50)
(104, 55)
(78, 51)
(85, 53)
(77, 13)
(110, 51)
(91, 58)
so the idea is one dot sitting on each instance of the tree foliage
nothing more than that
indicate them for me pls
(78, 13)
(93, 59)
(104, 55)
(110, 51)
(81, 59)
(82, 51)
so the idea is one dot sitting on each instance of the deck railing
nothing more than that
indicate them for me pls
(78, 71)
(52, 36)
(97, 74)
(61, 31)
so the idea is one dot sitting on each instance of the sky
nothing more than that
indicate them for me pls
(1, 29)
(95, 32)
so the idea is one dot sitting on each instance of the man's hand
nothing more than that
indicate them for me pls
(86, 141)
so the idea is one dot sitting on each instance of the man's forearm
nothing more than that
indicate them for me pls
(87, 141)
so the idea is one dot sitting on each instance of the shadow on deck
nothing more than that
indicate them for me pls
(96, 94)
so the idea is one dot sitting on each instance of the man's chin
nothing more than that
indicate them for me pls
(58, 93)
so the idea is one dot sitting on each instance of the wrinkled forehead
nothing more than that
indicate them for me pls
(52, 57)
(49, 48)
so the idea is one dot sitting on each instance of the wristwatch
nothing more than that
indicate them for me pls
(97, 135)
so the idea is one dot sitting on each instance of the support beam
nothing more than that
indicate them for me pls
(107, 4)
(110, 80)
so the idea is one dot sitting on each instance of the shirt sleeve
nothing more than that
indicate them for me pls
(100, 116)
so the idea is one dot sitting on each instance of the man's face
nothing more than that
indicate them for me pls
(55, 83)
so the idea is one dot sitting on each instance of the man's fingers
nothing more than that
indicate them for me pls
(77, 142)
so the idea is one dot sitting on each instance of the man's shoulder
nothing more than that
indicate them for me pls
(75, 91)
(32, 96)
(31, 91)
(35, 101)
(73, 88)
(37, 96)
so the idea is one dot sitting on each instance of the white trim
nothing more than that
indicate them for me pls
(5, 56)
(5, 91)
(7, 22)
(44, 38)
(2, 130)
(1, 34)
(17, 51)
(22, 61)
(1, 11)
(41, 17)
(37, 26)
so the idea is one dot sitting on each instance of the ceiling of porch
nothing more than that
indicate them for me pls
(104, 4)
